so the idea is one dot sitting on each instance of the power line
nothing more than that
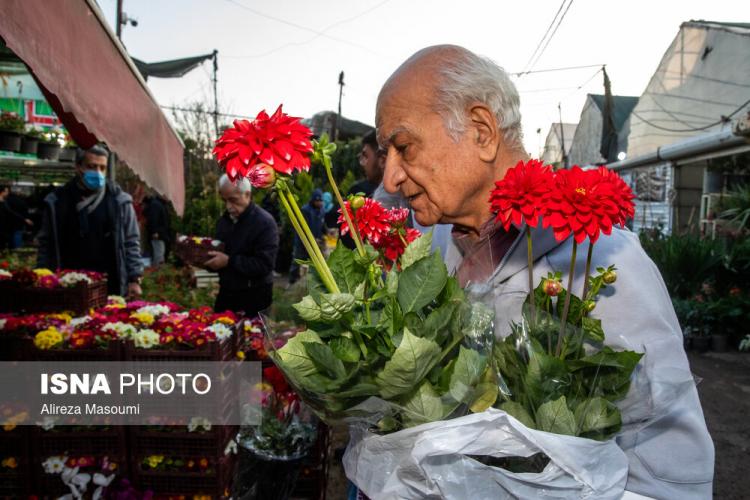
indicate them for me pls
(193, 110)
(559, 22)
(526, 66)
(723, 119)
(298, 26)
(566, 68)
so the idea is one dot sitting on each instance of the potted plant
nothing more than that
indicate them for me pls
(68, 152)
(11, 127)
(30, 140)
(700, 320)
(49, 146)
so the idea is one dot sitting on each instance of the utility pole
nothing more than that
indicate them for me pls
(216, 95)
(338, 117)
(562, 138)
(118, 20)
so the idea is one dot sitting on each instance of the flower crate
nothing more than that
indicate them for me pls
(113, 352)
(47, 485)
(313, 475)
(78, 299)
(15, 481)
(210, 351)
(217, 482)
(181, 442)
(96, 441)
(194, 250)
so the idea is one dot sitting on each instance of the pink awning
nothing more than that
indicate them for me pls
(94, 87)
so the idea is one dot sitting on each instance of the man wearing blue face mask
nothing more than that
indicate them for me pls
(90, 224)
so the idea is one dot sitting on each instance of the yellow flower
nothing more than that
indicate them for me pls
(10, 463)
(154, 460)
(225, 320)
(42, 272)
(143, 317)
(197, 240)
(61, 316)
(9, 427)
(240, 355)
(47, 339)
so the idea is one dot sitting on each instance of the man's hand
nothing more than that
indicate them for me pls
(134, 291)
(218, 260)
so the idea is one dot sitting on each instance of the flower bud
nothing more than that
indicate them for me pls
(262, 176)
(552, 287)
(609, 277)
(357, 202)
(589, 305)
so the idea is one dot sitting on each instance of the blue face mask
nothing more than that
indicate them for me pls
(93, 179)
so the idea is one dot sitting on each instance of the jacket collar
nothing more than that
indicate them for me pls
(516, 260)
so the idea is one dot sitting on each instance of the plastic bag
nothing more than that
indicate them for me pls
(435, 461)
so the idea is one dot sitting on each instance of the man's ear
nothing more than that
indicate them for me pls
(487, 135)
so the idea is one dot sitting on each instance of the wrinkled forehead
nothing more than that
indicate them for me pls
(403, 104)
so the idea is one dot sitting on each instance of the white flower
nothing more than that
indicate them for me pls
(198, 422)
(2, 323)
(146, 339)
(5, 274)
(73, 278)
(123, 330)
(221, 331)
(54, 465)
(181, 238)
(75, 322)
(215, 243)
(231, 447)
(116, 299)
(47, 423)
(154, 310)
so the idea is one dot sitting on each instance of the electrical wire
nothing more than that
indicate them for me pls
(526, 66)
(723, 119)
(556, 69)
(559, 22)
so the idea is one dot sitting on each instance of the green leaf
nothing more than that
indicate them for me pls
(469, 368)
(371, 255)
(556, 417)
(575, 310)
(437, 324)
(391, 282)
(546, 377)
(452, 292)
(486, 391)
(517, 411)
(390, 318)
(324, 359)
(335, 305)
(414, 323)
(421, 283)
(308, 309)
(416, 250)
(593, 329)
(364, 388)
(424, 405)
(597, 418)
(608, 357)
(345, 349)
(346, 271)
(411, 361)
(294, 357)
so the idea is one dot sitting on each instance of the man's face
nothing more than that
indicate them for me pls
(371, 163)
(92, 162)
(318, 204)
(235, 201)
(441, 179)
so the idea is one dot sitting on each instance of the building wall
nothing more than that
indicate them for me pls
(588, 137)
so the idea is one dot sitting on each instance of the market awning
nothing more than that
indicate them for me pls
(94, 87)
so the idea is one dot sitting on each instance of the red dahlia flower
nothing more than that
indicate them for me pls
(280, 141)
(394, 243)
(371, 219)
(582, 203)
(274, 377)
(623, 194)
(522, 194)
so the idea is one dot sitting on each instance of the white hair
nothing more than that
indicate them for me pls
(242, 183)
(469, 78)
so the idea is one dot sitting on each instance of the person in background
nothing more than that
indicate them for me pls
(313, 213)
(15, 212)
(251, 242)
(89, 223)
(157, 228)
(372, 161)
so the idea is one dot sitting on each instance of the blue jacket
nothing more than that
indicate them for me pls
(673, 458)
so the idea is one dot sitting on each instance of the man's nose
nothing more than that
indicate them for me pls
(394, 174)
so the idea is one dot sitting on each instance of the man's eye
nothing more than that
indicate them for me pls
(401, 148)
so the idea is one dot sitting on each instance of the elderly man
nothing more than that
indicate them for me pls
(451, 125)
(251, 241)
(90, 223)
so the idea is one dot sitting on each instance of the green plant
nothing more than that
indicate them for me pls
(33, 132)
(173, 284)
(11, 122)
(736, 207)
(685, 261)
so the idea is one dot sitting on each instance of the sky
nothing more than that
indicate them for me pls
(291, 51)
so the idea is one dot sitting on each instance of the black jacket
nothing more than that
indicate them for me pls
(157, 219)
(251, 243)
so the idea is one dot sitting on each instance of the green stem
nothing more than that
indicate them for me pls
(448, 349)
(352, 228)
(566, 307)
(588, 270)
(530, 257)
(299, 226)
(360, 343)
